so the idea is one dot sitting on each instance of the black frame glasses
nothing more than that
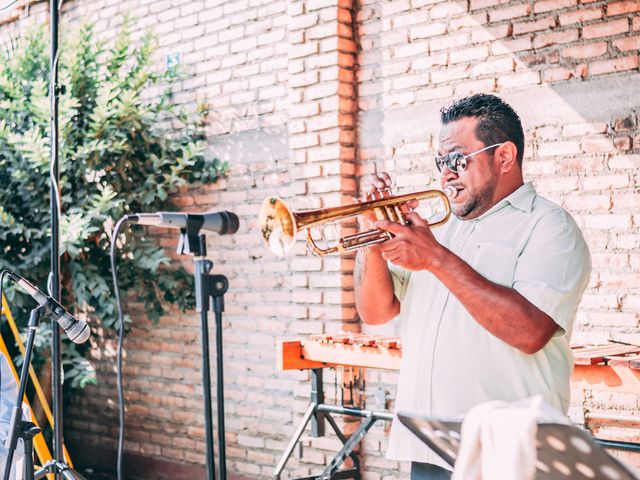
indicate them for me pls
(457, 161)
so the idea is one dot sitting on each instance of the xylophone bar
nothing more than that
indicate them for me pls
(612, 367)
(341, 349)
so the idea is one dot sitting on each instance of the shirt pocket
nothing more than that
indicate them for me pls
(496, 262)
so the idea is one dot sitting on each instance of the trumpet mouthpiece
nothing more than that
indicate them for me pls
(451, 192)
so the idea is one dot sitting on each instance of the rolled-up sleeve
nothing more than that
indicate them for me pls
(400, 279)
(553, 269)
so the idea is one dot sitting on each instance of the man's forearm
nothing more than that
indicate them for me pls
(375, 300)
(501, 310)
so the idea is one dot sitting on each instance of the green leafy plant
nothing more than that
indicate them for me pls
(124, 147)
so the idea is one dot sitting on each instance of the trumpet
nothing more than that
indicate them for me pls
(279, 224)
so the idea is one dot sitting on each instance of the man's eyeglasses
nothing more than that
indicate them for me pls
(456, 161)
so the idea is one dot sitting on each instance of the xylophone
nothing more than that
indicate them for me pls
(596, 366)
(613, 367)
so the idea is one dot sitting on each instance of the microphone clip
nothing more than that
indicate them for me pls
(191, 241)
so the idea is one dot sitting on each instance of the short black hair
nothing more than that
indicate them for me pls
(498, 122)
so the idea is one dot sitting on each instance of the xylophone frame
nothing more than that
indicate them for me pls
(317, 413)
(612, 367)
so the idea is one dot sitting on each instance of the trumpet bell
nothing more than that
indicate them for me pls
(277, 226)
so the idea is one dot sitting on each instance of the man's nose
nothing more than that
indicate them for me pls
(447, 174)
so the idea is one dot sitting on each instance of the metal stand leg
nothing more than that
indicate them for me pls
(318, 412)
(294, 440)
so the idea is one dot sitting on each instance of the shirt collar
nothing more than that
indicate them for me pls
(522, 199)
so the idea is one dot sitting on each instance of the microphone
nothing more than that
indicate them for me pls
(222, 223)
(77, 330)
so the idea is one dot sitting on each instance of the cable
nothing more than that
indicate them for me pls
(116, 289)
(6, 6)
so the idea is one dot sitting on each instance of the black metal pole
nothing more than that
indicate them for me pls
(54, 279)
(201, 305)
(222, 460)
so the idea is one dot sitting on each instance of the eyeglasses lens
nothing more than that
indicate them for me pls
(454, 161)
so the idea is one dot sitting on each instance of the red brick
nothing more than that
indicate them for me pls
(579, 129)
(558, 148)
(426, 31)
(636, 23)
(318, 4)
(508, 13)
(507, 47)
(431, 93)
(410, 81)
(622, 143)
(478, 4)
(585, 51)
(481, 35)
(621, 8)
(476, 86)
(624, 123)
(526, 62)
(519, 79)
(447, 10)
(605, 29)
(469, 54)
(449, 74)
(468, 21)
(395, 7)
(580, 16)
(494, 66)
(555, 38)
(615, 65)
(549, 5)
(344, 16)
(410, 50)
(303, 50)
(449, 42)
(609, 221)
(534, 26)
(629, 43)
(606, 182)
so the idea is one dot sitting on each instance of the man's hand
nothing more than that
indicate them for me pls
(374, 187)
(413, 246)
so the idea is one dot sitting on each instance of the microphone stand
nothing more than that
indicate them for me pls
(19, 428)
(17, 425)
(209, 291)
(56, 465)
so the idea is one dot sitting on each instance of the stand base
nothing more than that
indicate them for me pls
(59, 468)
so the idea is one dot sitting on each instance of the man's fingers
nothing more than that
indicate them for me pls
(416, 220)
(371, 183)
(412, 204)
(392, 227)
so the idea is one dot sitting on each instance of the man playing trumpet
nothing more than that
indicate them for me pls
(487, 302)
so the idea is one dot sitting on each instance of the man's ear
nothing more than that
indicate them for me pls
(507, 156)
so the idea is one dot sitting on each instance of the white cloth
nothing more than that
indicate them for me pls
(498, 439)
(450, 363)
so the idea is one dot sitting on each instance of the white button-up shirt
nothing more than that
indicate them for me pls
(450, 362)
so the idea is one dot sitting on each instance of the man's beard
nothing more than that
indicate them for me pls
(477, 204)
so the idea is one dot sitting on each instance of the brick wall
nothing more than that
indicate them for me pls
(305, 97)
